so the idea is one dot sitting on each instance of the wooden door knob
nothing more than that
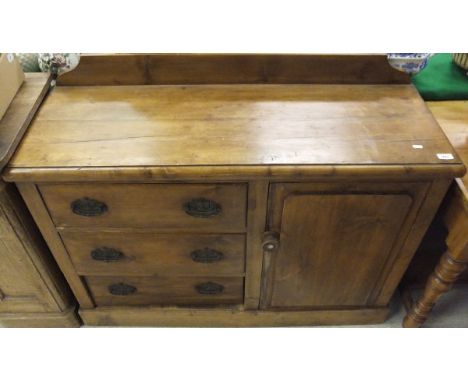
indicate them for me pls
(270, 241)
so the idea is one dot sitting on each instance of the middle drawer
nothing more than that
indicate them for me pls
(150, 254)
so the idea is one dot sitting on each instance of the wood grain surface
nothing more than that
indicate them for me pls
(149, 205)
(30, 281)
(45, 224)
(33, 291)
(153, 254)
(157, 69)
(255, 125)
(333, 248)
(452, 117)
(65, 319)
(166, 291)
(181, 317)
(20, 113)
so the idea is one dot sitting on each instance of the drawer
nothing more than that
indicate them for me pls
(150, 254)
(111, 291)
(209, 207)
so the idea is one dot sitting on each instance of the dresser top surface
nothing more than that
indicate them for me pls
(229, 125)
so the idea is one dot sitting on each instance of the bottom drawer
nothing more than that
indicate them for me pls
(108, 291)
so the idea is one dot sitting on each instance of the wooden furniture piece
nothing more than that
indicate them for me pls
(232, 190)
(33, 292)
(453, 118)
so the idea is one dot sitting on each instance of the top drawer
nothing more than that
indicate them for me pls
(207, 207)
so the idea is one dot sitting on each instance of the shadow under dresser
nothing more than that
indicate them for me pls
(236, 190)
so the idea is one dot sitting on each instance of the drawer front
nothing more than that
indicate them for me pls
(208, 207)
(111, 291)
(150, 254)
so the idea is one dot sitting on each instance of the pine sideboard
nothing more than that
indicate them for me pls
(233, 190)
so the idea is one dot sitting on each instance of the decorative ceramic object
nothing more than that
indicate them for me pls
(29, 61)
(58, 63)
(410, 63)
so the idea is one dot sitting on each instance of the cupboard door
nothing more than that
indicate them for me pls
(332, 246)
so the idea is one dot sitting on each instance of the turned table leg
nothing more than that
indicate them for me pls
(440, 282)
(453, 262)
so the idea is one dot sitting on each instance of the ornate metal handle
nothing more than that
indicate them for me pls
(88, 207)
(121, 289)
(202, 208)
(270, 241)
(209, 288)
(106, 254)
(206, 255)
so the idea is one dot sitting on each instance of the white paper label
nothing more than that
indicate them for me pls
(418, 146)
(10, 57)
(445, 156)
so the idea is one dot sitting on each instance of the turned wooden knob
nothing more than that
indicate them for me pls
(270, 241)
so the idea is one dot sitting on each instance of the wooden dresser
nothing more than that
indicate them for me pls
(237, 190)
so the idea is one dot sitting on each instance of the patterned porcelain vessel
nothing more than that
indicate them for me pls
(410, 63)
(29, 61)
(58, 63)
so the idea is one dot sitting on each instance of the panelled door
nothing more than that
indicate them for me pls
(335, 241)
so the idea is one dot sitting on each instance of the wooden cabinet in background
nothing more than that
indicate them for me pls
(33, 291)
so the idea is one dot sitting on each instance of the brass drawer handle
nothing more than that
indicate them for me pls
(106, 254)
(121, 289)
(209, 288)
(206, 255)
(88, 207)
(202, 208)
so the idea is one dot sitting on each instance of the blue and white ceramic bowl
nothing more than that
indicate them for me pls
(410, 63)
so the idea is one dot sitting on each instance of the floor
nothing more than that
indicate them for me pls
(451, 311)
